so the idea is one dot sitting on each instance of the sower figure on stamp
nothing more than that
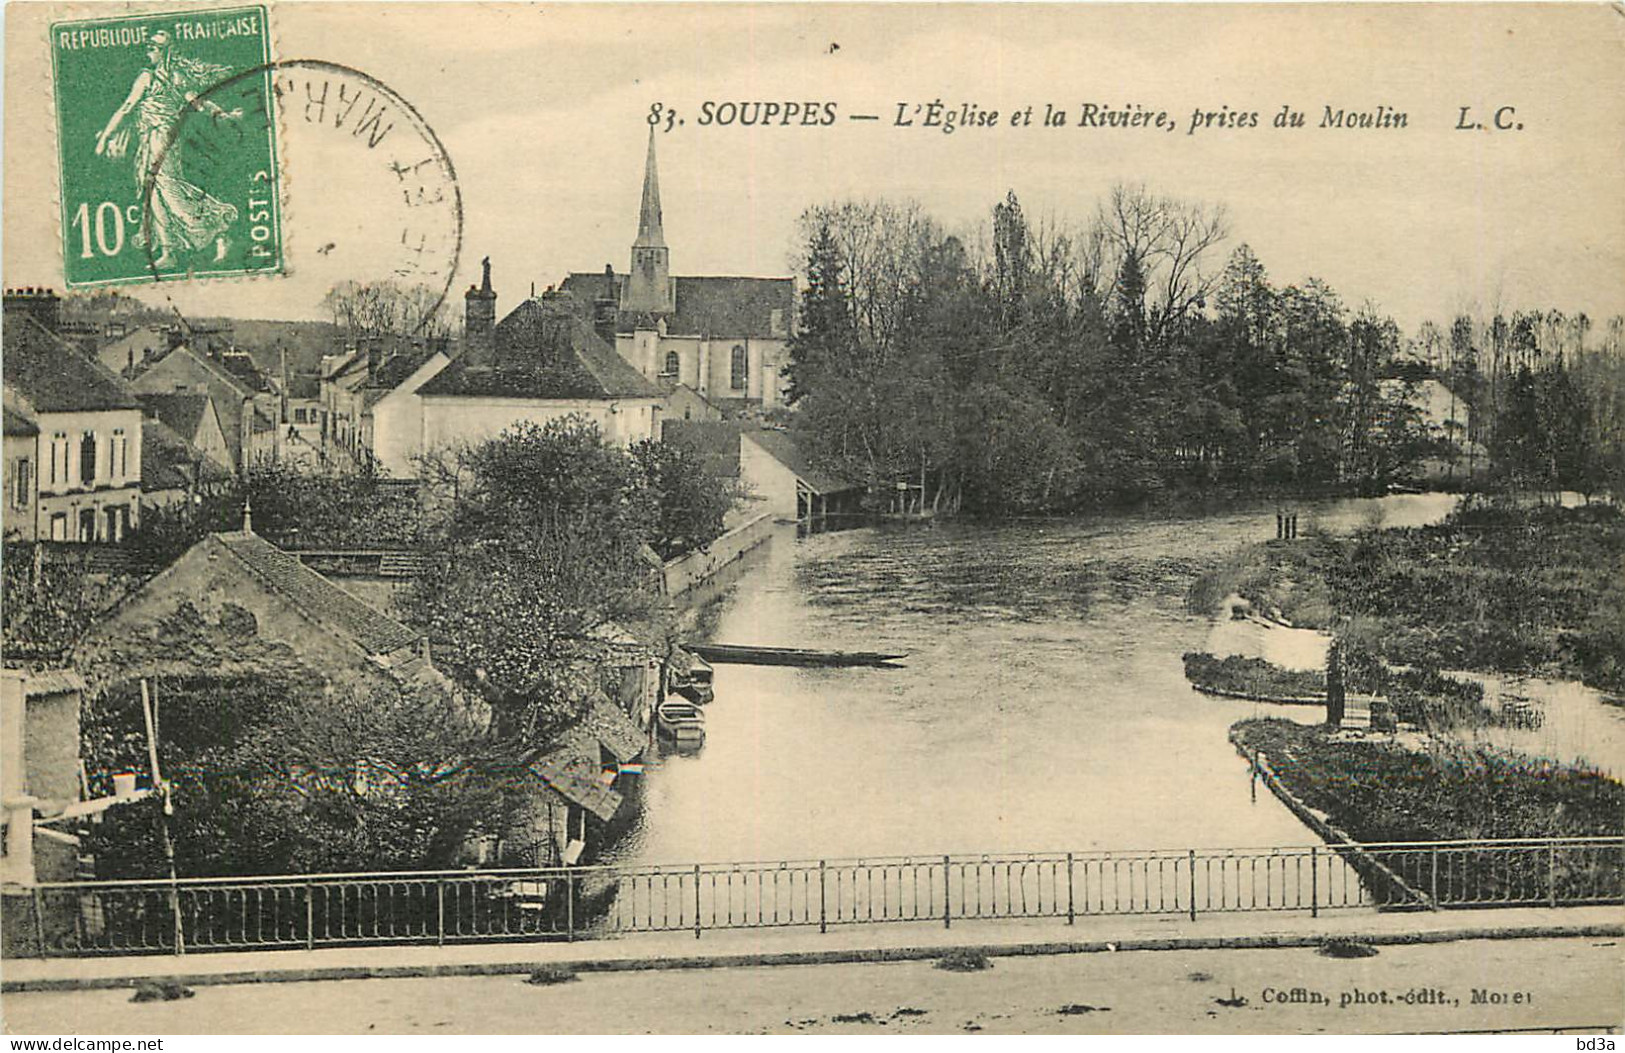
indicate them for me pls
(181, 216)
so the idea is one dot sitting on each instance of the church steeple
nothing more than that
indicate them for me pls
(650, 232)
(649, 287)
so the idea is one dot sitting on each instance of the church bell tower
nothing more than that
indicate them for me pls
(649, 286)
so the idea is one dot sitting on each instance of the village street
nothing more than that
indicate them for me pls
(1566, 982)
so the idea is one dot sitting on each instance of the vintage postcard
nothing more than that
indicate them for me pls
(789, 518)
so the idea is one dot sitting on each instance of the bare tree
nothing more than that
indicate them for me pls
(1168, 240)
(387, 308)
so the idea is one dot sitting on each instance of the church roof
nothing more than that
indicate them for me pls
(717, 307)
(650, 232)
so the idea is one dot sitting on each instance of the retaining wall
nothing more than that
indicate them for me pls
(685, 572)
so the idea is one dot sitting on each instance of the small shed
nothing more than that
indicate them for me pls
(780, 473)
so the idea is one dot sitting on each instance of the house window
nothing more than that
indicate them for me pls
(672, 364)
(20, 478)
(118, 454)
(118, 519)
(59, 454)
(87, 524)
(59, 526)
(87, 459)
(741, 368)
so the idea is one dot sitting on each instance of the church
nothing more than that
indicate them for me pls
(722, 338)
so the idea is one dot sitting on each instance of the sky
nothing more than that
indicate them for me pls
(543, 113)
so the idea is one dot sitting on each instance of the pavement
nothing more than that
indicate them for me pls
(1569, 985)
(1001, 938)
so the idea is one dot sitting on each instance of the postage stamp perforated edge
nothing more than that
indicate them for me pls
(145, 273)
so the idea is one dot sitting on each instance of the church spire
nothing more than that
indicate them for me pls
(650, 233)
(648, 289)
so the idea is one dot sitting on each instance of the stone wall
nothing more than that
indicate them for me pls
(684, 572)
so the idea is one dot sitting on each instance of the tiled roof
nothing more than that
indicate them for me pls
(183, 411)
(784, 450)
(169, 462)
(316, 598)
(242, 366)
(544, 352)
(55, 377)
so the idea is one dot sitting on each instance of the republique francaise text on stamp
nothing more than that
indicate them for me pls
(163, 178)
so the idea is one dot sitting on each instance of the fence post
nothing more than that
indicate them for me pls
(947, 918)
(1069, 904)
(1433, 879)
(440, 911)
(1193, 883)
(823, 918)
(696, 901)
(1551, 873)
(1314, 882)
(310, 918)
(39, 924)
(570, 907)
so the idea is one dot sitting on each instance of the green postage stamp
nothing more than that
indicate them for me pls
(166, 136)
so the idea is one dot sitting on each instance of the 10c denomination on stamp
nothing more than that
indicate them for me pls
(144, 196)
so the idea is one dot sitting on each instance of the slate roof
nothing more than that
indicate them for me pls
(19, 423)
(169, 462)
(784, 449)
(719, 307)
(53, 376)
(317, 598)
(544, 352)
(183, 411)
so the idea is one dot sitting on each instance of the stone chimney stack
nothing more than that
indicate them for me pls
(42, 305)
(480, 320)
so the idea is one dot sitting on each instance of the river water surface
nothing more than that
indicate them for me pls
(1043, 705)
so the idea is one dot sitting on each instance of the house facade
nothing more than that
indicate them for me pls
(542, 362)
(83, 482)
(247, 405)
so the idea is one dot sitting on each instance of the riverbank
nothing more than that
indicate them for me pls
(1494, 588)
(1411, 788)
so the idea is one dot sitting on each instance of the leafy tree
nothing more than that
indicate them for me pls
(690, 504)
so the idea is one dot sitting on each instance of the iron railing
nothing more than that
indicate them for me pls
(217, 914)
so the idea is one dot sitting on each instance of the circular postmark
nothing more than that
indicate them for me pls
(360, 211)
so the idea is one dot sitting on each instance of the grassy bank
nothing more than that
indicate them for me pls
(1494, 588)
(1252, 678)
(1379, 791)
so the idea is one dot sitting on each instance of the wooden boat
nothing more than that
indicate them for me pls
(680, 721)
(697, 682)
(742, 654)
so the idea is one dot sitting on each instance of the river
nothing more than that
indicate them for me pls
(1043, 705)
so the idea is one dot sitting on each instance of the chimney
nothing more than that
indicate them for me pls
(43, 305)
(479, 320)
(173, 337)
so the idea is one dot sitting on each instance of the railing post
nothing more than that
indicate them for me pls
(823, 918)
(440, 911)
(39, 923)
(1314, 882)
(310, 917)
(947, 917)
(696, 901)
(1551, 873)
(1193, 883)
(570, 908)
(1069, 906)
(1433, 878)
